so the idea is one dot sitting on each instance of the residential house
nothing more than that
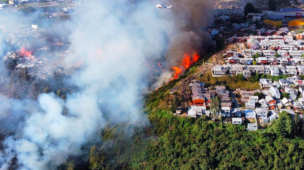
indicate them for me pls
(286, 103)
(291, 70)
(237, 121)
(252, 126)
(236, 69)
(284, 82)
(276, 84)
(199, 110)
(236, 112)
(273, 114)
(218, 71)
(301, 70)
(226, 102)
(274, 71)
(271, 102)
(265, 83)
(226, 111)
(261, 112)
(282, 69)
(299, 82)
(233, 60)
(192, 113)
(197, 96)
(245, 94)
(274, 92)
(263, 103)
(297, 106)
(293, 93)
(293, 79)
(256, 68)
(246, 73)
(301, 101)
(249, 114)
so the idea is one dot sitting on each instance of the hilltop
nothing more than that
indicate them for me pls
(178, 142)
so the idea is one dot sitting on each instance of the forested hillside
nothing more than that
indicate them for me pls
(172, 142)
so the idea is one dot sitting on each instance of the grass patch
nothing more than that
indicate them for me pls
(230, 82)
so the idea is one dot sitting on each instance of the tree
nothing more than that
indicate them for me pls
(240, 77)
(263, 76)
(272, 5)
(285, 95)
(256, 55)
(215, 106)
(260, 95)
(284, 125)
(297, 123)
(249, 8)
(176, 102)
(277, 55)
(71, 166)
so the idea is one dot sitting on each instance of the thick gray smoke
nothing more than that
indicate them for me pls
(190, 18)
(111, 41)
(188, 35)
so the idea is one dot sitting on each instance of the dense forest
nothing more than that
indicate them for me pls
(172, 142)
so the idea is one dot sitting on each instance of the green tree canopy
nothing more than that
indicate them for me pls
(215, 106)
(284, 125)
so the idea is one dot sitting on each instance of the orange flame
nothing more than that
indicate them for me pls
(178, 71)
(195, 57)
(187, 61)
(25, 53)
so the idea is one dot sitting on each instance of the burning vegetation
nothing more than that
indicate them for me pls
(186, 63)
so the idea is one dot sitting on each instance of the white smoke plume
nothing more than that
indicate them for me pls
(111, 41)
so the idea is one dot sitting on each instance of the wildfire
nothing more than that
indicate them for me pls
(186, 63)
(195, 57)
(25, 53)
(178, 71)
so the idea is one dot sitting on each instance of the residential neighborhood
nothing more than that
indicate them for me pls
(257, 108)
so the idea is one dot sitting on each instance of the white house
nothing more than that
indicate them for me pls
(293, 79)
(192, 113)
(274, 92)
(283, 82)
(261, 112)
(199, 110)
(274, 71)
(301, 70)
(218, 70)
(226, 111)
(265, 83)
(292, 93)
(252, 126)
(249, 114)
(291, 70)
(237, 121)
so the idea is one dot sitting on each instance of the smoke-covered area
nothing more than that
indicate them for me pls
(86, 73)
(190, 17)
